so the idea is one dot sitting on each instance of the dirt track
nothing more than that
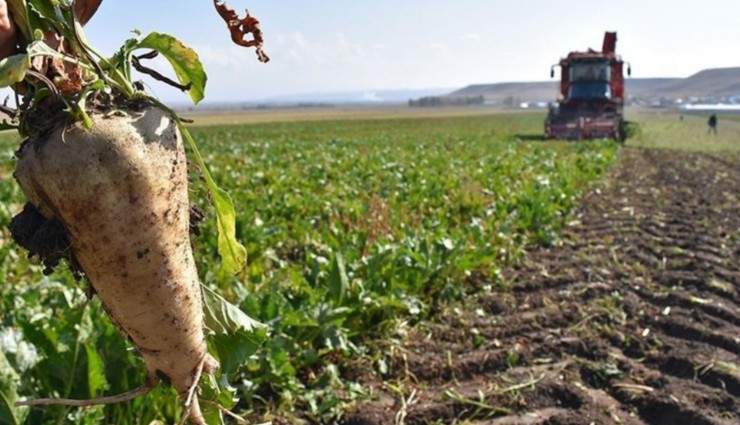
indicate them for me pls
(635, 319)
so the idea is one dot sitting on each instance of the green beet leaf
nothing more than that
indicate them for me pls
(19, 11)
(183, 59)
(338, 280)
(224, 318)
(13, 69)
(236, 336)
(233, 254)
(9, 414)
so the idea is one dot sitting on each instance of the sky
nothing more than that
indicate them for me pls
(331, 46)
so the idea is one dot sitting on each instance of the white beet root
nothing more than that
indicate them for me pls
(121, 192)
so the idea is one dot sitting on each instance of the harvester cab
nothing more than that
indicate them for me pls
(591, 100)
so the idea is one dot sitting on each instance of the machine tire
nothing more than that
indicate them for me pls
(621, 132)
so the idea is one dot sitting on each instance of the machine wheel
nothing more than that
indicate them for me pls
(621, 135)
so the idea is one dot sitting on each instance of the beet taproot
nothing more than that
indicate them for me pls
(120, 190)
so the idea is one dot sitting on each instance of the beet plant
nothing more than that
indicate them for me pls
(104, 170)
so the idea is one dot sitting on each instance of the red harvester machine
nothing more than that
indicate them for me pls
(591, 95)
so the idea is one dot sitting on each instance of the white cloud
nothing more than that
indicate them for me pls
(437, 48)
(471, 37)
(224, 56)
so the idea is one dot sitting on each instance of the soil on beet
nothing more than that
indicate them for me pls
(633, 319)
(44, 238)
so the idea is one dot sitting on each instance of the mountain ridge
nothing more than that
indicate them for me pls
(708, 83)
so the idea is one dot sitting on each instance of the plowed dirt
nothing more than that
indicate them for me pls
(634, 319)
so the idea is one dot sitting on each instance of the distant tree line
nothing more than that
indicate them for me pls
(432, 101)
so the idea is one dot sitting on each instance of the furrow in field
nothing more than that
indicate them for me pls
(697, 302)
(729, 342)
(634, 319)
(712, 372)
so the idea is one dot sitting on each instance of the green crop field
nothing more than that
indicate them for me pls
(356, 227)
(689, 132)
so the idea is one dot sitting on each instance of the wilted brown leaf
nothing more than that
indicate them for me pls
(65, 75)
(240, 28)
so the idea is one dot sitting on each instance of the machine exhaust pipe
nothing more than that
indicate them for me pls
(610, 43)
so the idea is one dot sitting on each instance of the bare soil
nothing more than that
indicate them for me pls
(634, 319)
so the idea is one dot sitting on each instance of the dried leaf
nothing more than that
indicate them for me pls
(240, 28)
(66, 75)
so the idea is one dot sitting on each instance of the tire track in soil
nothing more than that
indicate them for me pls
(634, 319)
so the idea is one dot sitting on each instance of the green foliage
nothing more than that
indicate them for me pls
(18, 9)
(631, 129)
(235, 335)
(13, 69)
(184, 61)
(684, 130)
(352, 229)
(9, 380)
(233, 254)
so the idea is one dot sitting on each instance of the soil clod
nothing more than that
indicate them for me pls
(46, 239)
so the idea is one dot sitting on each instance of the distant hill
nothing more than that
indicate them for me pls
(363, 97)
(720, 82)
(505, 92)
